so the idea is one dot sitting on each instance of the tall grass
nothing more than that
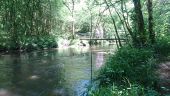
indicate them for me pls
(133, 90)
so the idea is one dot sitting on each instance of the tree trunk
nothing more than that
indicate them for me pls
(150, 21)
(13, 27)
(114, 23)
(140, 23)
(73, 25)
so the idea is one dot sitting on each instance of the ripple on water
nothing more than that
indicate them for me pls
(81, 87)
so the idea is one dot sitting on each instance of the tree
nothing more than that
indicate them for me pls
(113, 20)
(150, 21)
(141, 32)
(21, 19)
(71, 7)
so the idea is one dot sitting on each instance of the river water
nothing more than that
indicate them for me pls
(55, 72)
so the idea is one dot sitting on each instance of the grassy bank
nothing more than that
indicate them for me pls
(131, 71)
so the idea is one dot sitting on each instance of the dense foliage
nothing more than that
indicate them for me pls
(131, 70)
(134, 65)
(138, 21)
(143, 24)
(23, 21)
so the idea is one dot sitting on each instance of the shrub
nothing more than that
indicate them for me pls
(31, 43)
(162, 46)
(129, 64)
(28, 43)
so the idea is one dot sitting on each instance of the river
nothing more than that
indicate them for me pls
(55, 72)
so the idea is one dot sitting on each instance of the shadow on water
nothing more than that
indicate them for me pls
(58, 72)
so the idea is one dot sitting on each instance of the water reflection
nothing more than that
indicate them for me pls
(99, 59)
(60, 72)
(4, 92)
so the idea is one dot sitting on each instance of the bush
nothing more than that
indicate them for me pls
(32, 43)
(162, 46)
(129, 64)
(28, 43)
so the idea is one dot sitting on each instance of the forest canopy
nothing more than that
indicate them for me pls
(26, 22)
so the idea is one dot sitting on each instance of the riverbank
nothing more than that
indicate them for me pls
(28, 43)
(133, 71)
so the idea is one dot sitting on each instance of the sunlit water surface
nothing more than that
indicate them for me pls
(56, 72)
